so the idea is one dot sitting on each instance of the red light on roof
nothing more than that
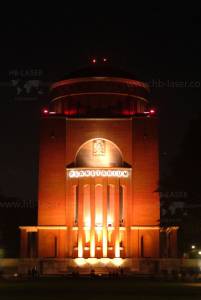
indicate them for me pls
(93, 60)
(104, 59)
(45, 111)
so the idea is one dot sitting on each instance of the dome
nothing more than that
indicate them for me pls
(99, 91)
(95, 70)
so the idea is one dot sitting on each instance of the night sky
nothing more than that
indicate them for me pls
(156, 44)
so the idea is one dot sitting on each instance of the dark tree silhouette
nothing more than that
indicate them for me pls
(14, 212)
(181, 189)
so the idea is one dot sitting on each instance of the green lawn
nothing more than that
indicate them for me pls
(85, 288)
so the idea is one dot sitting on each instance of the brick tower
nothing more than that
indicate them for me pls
(98, 172)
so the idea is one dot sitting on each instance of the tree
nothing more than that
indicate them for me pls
(14, 212)
(183, 185)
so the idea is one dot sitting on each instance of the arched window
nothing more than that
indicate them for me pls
(98, 152)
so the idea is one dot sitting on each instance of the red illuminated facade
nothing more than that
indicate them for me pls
(98, 172)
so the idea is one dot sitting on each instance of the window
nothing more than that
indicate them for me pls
(75, 200)
(121, 204)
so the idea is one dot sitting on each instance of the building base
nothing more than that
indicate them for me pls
(98, 242)
(102, 266)
(131, 266)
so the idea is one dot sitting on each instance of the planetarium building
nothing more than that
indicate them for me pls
(98, 175)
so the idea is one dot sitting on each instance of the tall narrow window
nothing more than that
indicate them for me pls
(99, 204)
(121, 204)
(75, 199)
(86, 199)
(110, 204)
(108, 200)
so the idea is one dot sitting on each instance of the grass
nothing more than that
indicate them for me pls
(86, 288)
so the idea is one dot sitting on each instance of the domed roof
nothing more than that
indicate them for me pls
(97, 90)
(100, 70)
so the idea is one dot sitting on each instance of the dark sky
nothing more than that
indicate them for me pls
(157, 44)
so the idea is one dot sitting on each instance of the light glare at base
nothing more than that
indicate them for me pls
(117, 261)
(80, 261)
(105, 260)
(92, 261)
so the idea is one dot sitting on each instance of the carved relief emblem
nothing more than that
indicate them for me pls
(99, 147)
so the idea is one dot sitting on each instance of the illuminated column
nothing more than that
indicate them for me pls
(116, 221)
(92, 212)
(125, 217)
(117, 248)
(128, 209)
(105, 206)
(80, 221)
(80, 244)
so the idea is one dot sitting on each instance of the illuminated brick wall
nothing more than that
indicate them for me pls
(52, 170)
(98, 215)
